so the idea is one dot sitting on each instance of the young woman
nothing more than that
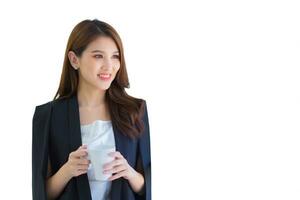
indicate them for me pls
(91, 109)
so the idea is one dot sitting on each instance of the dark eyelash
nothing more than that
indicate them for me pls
(96, 56)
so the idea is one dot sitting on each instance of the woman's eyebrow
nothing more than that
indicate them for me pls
(95, 51)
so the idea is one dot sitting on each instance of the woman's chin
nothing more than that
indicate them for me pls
(103, 87)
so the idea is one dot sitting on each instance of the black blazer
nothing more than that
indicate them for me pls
(56, 133)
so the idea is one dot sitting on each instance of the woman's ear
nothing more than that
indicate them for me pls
(73, 60)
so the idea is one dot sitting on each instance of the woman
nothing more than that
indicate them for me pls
(91, 108)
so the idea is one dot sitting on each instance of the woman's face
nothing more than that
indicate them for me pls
(98, 64)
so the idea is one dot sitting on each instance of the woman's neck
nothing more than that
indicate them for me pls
(91, 98)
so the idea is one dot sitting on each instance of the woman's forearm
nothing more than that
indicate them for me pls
(56, 183)
(137, 183)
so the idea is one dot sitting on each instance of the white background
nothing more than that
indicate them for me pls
(221, 80)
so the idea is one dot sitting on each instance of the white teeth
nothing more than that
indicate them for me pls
(104, 76)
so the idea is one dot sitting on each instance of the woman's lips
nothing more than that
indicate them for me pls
(104, 77)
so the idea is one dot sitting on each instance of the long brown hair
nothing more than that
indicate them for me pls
(126, 111)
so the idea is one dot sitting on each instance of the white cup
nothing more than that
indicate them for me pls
(99, 157)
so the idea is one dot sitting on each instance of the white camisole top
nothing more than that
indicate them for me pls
(94, 135)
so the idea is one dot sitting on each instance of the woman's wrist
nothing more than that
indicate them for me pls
(137, 182)
(66, 172)
(57, 182)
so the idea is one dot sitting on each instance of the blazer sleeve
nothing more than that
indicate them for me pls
(145, 153)
(40, 148)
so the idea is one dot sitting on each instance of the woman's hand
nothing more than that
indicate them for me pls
(119, 167)
(78, 163)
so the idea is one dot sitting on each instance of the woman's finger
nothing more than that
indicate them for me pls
(116, 154)
(81, 153)
(115, 169)
(82, 167)
(118, 175)
(83, 162)
(82, 171)
(84, 146)
(113, 163)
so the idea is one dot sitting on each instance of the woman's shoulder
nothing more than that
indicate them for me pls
(142, 104)
(41, 112)
(43, 109)
(52, 103)
(43, 106)
(140, 101)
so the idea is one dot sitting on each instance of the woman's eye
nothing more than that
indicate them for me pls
(98, 56)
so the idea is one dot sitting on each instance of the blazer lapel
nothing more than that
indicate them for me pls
(116, 185)
(82, 182)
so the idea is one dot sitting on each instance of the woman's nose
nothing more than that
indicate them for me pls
(107, 64)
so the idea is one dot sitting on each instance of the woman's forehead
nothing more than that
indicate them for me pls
(103, 45)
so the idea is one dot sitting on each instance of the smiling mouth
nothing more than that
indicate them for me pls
(104, 77)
